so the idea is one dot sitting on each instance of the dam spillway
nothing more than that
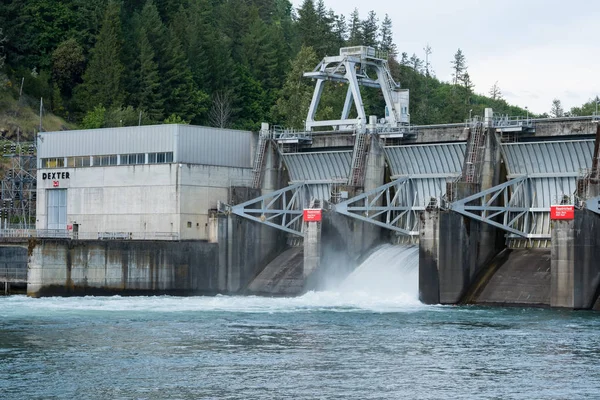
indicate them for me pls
(462, 197)
(390, 272)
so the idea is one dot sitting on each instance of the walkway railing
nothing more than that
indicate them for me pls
(13, 274)
(68, 234)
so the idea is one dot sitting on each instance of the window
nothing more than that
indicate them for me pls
(130, 159)
(53, 162)
(160, 158)
(82, 161)
(105, 160)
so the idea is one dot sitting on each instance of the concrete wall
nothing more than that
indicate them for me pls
(521, 278)
(65, 267)
(200, 188)
(143, 198)
(564, 127)
(575, 266)
(140, 198)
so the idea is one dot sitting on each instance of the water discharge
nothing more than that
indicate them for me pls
(387, 281)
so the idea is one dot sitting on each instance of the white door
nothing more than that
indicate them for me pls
(57, 208)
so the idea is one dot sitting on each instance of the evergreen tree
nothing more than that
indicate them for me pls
(292, 106)
(178, 91)
(148, 97)
(340, 31)
(369, 30)
(386, 42)
(416, 63)
(102, 80)
(459, 66)
(308, 21)
(355, 33)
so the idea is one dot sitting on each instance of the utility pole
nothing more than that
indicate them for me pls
(41, 107)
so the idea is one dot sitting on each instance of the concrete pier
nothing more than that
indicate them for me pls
(575, 266)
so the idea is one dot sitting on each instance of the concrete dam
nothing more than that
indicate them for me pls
(495, 210)
(475, 199)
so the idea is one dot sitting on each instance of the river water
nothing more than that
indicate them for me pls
(363, 339)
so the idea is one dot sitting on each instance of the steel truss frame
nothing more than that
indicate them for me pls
(281, 209)
(517, 213)
(351, 68)
(398, 214)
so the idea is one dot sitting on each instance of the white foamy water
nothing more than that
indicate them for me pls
(386, 282)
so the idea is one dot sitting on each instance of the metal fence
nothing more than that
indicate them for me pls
(13, 274)
(69, 234)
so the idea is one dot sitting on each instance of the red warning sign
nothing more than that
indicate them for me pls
(312, 215)
(562, 212)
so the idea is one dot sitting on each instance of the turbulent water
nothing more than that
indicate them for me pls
(368, 338)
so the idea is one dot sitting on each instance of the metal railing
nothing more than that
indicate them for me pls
(280, 133)
(13, 274)
(69, 234)
(518, 121)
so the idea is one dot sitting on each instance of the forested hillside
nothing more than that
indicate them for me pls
(227, 63)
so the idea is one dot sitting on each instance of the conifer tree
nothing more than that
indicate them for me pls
(459, 66)
(308, 21)
(292, 105)
(148, 96)
(369, 30)
(386, 42)
(102, 80)
(355, 33)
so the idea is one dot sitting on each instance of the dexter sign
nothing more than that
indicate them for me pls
(312, 215)
(55, 175)
(562, 212)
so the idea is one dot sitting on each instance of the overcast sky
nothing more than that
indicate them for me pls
(537, 50)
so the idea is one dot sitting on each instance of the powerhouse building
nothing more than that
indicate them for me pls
(159, 180)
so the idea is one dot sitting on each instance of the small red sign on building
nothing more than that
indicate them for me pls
(562, 212)
(312, 215)
(55, 183)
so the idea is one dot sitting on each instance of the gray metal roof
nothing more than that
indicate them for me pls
(189, 144)
(440, 159)
(565, 157)
(321, 167)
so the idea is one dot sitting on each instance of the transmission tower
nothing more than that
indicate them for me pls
(18, 202)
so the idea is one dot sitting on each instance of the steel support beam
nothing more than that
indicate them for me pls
(281, 209)
(517, 210)
(393, 214)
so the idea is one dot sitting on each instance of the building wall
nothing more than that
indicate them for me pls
(200, 188)
(137, 198)
(142, 198)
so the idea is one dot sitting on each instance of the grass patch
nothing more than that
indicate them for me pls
(19, 119)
